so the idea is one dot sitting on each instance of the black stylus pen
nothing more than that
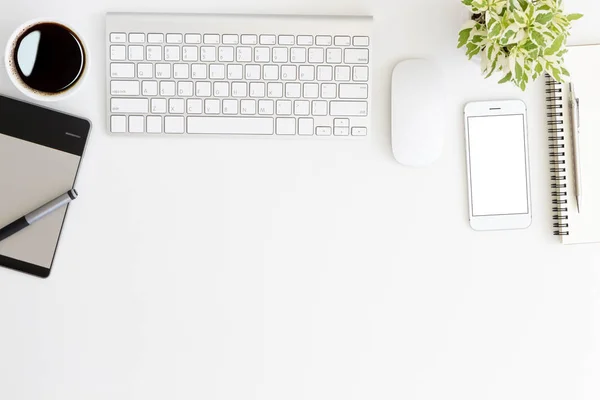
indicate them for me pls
(38, 214)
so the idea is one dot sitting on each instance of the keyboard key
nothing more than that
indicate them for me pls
(316, 55)
(156, 38)
(323, 131)
(266, 107)
(239, 89)
(117, 53)
(230, 39)
(262, 55)
(248, 107)
(280, 54)
(181, 71)
(175, 38)
(270, 72)
(118, 38)
(172, 53)
(199, 71)
(203, 89)
(190, 53)
(176, 106)
(288, 72)
(159, 106)
(354, 91)
(185, 89)
(150, 88)
(226, 54)
(328, 91)
(125, 88)
(136, 53)
(230, 126)
(286, 126)
(252, 72)
(302, 107)
(216, 71)
(298, 55)
(284, 107)
(341, 131)
(324, 73)
(193, 38)
(360, 41)
(307, 73)
(244, 54)
(267, 39)
(136, 124)
(306, 126)
(342, 41)
(137, 38)
(292, 90)
(249, 39)
(144, 71)
(211, 39)
(235, 71)
(257, 89)
(287, 40)
(153, 53)
(311, 90)
(154, 124)
(194, 106)
(221, 89)
(167, 88)
(174, 125)
(341, 123)
(119, 105)
(208, 54)
(275, 90)
(305, 40)
(359, 131)
(348, 108)
(230, 107)
(342, 73)
(319, 108)
(356, 56)
(163, 71)
(334, 56)
(118, 124)
(361, 74)
(212, 106)
(324, 41)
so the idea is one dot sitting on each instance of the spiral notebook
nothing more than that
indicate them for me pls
(573, 227)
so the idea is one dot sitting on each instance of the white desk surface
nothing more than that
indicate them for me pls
(232, 268)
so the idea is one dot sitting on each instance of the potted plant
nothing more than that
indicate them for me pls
(520, 39)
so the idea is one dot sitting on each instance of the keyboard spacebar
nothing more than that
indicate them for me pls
(230, 126)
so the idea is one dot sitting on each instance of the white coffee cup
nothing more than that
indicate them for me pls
(11, 67)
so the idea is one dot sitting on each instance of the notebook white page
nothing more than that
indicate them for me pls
(583, 62)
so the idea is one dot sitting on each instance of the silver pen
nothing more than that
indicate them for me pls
(38, 214)
(575, 132)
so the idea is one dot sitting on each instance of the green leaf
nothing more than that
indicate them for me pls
(556, 46)
(538, 38)
(544, 18)
(574, 17)
(463, 37)
(507, 78)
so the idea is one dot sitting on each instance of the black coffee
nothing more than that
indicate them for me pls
(49, 58)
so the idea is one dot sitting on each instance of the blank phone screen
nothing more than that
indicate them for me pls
(498, 161)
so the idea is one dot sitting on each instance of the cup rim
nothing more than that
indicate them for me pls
(19, 84)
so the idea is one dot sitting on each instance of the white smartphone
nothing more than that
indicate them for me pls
(498, 165)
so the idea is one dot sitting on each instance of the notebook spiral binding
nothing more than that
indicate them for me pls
(558, 171)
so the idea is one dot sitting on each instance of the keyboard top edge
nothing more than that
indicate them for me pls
(237, 15)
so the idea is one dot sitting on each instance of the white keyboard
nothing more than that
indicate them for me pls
(238, 75)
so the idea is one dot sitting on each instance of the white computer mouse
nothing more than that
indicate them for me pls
(417, 97)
